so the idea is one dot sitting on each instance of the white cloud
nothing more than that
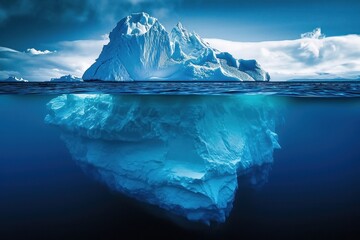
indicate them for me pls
(5, 49)
(34, 51)
(311, 57)
(315, 34)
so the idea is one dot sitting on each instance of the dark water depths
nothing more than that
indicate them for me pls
(312, 192)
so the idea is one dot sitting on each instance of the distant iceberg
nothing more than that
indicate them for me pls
(66, 78)
(13, 79)
(141, 49)
(183, 154)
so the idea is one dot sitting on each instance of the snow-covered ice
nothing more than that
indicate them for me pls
(141, 49)
(181, 153)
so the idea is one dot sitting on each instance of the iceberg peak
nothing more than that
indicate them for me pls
(190, 42)
(180, 30)
(179, 25)
(136, 24)
(314, 34)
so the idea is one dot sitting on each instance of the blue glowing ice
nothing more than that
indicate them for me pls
(181, 153)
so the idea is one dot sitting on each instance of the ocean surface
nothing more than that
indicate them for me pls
(297, 89)
(309, 190)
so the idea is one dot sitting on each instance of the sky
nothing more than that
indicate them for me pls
(61, 27)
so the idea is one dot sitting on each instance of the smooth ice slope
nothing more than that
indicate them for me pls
(181, 153)
(141, 49)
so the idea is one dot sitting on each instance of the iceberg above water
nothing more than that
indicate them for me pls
(183, 154)
(66, 78)
(141, 49)
(13, 79)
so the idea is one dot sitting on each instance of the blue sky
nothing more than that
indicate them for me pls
(41, 39)
(38, 23)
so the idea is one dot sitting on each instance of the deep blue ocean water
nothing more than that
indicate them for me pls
(312, 191)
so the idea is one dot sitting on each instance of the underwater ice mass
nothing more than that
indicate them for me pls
(183, 154)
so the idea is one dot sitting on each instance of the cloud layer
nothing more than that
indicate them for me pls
(72, 57)
(313, 56)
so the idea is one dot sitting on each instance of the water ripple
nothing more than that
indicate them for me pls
(295, 89)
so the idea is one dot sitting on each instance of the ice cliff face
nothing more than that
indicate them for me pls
(141, 49)
(181, 153)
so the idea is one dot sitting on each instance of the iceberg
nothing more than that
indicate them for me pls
(13, 79)
(183, 154)
(66, 78)
(141, 49)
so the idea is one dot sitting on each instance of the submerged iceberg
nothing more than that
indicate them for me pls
(141, 49)
(183, 154)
